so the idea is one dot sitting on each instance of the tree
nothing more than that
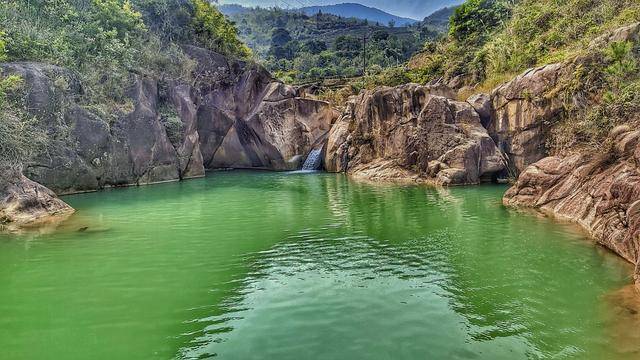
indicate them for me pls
(476, 18)
(380, 35)
(280, 37)
(347, 45)
(215, 31)
(392, 23)
(3, 47)
(314, 46)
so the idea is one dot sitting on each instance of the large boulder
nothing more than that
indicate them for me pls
(27, 203)
(412, 132)
(601, 193)
(247, 119)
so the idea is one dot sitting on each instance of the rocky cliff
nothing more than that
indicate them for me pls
(413, 133)
(235, 115)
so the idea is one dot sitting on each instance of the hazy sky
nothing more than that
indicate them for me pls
(416, 9)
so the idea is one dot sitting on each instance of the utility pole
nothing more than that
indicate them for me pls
(364, 54)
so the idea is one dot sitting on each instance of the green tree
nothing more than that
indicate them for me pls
(280, 37)
(3, 46)
(475, 18)
(314, 47)
(347, 45)
(215, 31)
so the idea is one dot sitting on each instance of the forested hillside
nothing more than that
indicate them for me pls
(358, 11)
(298, 47)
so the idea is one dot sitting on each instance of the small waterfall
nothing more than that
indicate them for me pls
(314, 160)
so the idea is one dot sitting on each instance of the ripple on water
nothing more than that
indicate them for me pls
(308, 266)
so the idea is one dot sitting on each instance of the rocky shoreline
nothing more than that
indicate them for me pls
(237, 116)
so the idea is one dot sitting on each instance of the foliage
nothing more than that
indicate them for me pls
(8, 84)
(215, 32)
(489, 38)
(619, 101)
(20, 137)
(299, 48)
(3, 47)
(172, 123)
(475, 19)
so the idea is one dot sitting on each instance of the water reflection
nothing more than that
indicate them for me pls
(305, 266)
(392, 264)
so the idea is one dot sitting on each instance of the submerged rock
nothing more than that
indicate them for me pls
(413, 133)
(601, 192)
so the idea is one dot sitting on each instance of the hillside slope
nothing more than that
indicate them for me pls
(298, 47)
(413, 9)
(358, 11)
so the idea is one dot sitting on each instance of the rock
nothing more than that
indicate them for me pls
(483, 106)
(526, 108)
(626, 33)
(601, 193)
(524, 114)
(412, 133)
(235, 116)
(190, 162)
(27, 203)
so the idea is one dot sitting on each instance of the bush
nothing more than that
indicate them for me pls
(20, 137)
(215, 31)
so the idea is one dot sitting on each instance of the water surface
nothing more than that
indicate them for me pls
(245, 265)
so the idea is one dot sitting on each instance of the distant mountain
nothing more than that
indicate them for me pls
(232, 9)
(440, 19)
(414, 9)
(358, 11)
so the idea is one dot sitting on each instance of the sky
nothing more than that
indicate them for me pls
(415, 9)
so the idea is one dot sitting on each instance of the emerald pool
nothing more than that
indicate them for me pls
(257, 265)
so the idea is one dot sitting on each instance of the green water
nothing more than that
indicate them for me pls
(245, 265)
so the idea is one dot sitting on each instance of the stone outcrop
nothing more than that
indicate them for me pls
(601, 193)
(524, 110)
(412, 133)
(599, 190)
(234, 116)
(26, 203)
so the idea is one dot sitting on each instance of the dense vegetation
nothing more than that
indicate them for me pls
(491, 40)
(298, 47)
(103, 42)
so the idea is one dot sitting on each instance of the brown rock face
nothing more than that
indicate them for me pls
(523, 114)
(412, 133)
(525, 109)
(235, 116)
(24, 202)
(601, 193)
